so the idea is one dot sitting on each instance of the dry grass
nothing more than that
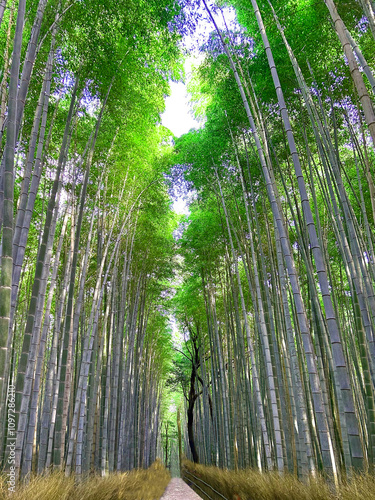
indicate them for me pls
(252, 485)
(135, 485)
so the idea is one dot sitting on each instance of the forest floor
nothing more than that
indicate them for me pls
(178, 490)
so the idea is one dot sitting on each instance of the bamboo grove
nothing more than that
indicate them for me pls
(273, 270)
(86, 232)
(277, 295)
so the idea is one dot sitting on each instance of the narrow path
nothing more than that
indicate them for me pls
(178, 490)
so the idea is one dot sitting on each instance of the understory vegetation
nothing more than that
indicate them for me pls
(138, 484)
(249, 484)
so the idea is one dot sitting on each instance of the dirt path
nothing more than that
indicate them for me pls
(178, 490)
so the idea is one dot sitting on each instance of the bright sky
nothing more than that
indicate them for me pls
(178, 112)
(178, 115)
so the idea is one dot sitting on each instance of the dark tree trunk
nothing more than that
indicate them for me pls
(191, 402)
(191, 431)
(179, 437)
(166, 444)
